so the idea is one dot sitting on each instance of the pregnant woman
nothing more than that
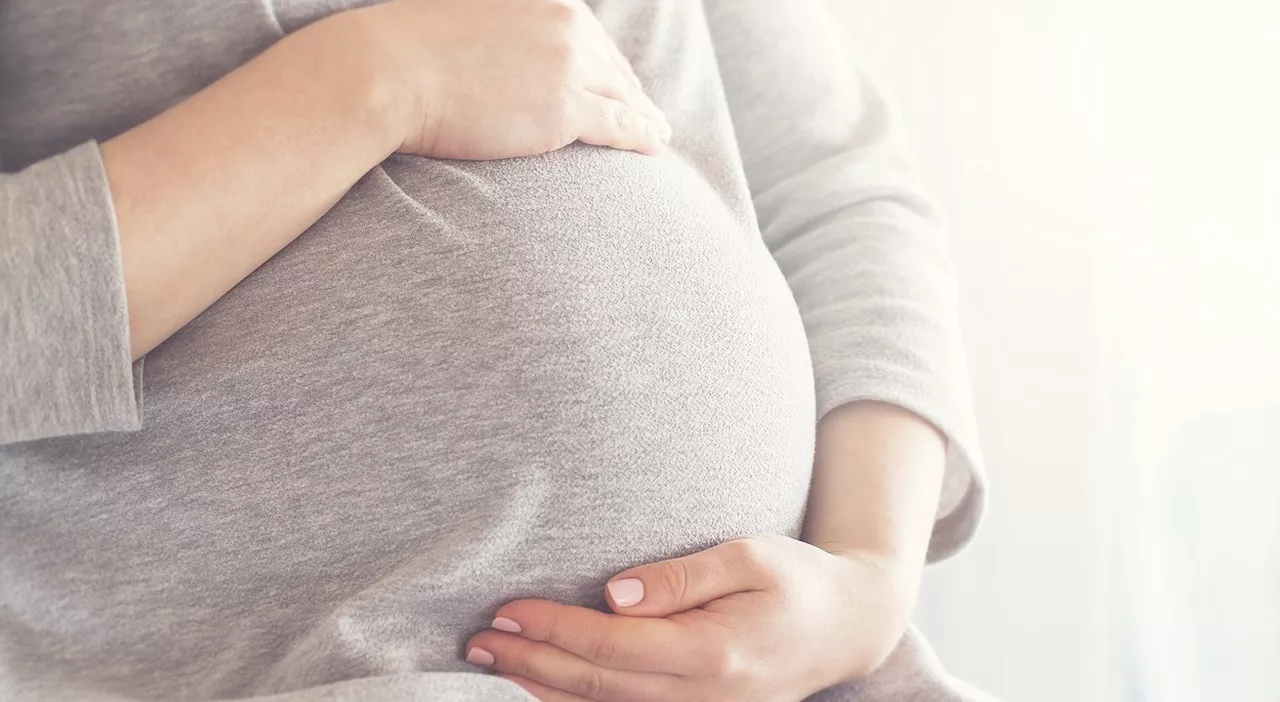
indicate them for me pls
(465, 350)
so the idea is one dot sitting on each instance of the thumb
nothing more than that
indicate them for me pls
(680, 584)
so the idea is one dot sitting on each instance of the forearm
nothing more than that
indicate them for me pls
(876, 482)
(864, 253)
(210, 189)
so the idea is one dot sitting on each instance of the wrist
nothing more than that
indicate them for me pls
(400, 82)
(877, 476)
(891, 563)
(369, 93)
(879, 591)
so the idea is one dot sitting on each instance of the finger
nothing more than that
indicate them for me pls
(621, 643)
(559, 669)
(605, 76)
(604, 121)
(544, 693)
(680, 584)
(637, 95)
(611, 75)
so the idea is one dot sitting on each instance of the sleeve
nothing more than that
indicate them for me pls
(64, 333)
(864, 251)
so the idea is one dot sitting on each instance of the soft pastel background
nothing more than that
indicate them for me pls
(1111, 169)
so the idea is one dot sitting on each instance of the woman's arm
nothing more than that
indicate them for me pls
(210, 189)
(864, 252)
(876, 483)
(109, 250)
(162, 220)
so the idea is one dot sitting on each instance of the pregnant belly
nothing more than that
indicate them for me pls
(468, 383)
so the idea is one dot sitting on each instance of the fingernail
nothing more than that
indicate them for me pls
(479, 656)
(507, 625)
(626, 592)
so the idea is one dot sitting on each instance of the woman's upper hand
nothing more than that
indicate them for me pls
(491, 79)
(763, 618)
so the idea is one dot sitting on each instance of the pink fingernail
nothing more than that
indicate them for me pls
(479, 656)
(508, 625)
(626, 592)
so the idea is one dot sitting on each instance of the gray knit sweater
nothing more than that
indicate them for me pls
(467, 383)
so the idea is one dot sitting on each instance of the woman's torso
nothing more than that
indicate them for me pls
(467, 383)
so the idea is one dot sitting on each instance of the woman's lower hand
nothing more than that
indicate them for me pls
(491, 79)
(761, 618)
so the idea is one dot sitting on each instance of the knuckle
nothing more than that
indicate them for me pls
(514, 664)
(725, 663)
(763, 558)
(751, 552)
(604, 650)
(557, 633)
(675, 578)
(563, 11)
(561, 56)
(624, 119)
(577, 634)
(591, 683)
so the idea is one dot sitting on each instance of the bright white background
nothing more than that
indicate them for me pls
(1111, 170)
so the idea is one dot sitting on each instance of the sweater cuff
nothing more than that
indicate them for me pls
(64, 328)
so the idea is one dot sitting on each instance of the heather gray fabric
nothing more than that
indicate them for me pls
(467, 383)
